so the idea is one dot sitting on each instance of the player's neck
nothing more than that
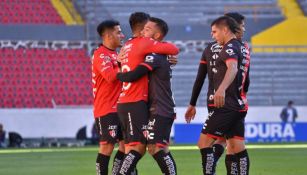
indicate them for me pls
(137, 33)
(228, 38)
(109, 45)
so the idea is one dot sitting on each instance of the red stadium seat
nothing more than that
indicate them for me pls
(25, 12)
(45, 74)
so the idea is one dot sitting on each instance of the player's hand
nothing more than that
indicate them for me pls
(122, 55)
(173, 59)
(219, 98)
(190, 113)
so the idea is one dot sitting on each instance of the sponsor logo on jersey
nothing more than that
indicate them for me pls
(216, 48)
(230, 52)
(149, 59)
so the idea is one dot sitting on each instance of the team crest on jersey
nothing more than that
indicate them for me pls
(105, 58)
(145, 133)
(112, 133)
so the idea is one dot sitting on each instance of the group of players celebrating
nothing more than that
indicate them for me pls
(133, 101)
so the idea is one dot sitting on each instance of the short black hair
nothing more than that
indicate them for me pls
(162, 25)
(138, 20)
(239, 18)
(290, 102)
(229, 22)
(107, 24)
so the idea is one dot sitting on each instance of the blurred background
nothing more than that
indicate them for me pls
(45, 67)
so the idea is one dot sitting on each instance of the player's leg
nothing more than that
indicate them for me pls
(159, 129)
(135, 142)
(107, 131)
(218, 148)
(205, 142)
(120, 154)
(237, 161)
(217, 124)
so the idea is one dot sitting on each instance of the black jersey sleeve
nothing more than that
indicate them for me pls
(153, 61)
(230, 51)
(200, 79)
(247, 82)
(134, 75)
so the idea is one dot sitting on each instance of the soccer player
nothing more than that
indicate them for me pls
(132, 103)
(106, 90)
(226, 119)
(161, 103)
(206, 67)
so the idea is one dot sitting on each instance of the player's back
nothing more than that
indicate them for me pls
(161, 99)
(138, 90)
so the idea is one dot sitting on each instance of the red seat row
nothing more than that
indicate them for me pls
(36, 81)
(25, 11)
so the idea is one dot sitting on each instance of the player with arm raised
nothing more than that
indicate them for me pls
(132, 107)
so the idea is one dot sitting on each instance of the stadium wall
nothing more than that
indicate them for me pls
(42, 32)
(59, 123)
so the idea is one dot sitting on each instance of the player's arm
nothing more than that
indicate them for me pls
(152, 46)
(134, 75)
(151, 62)
(198, 84)
(247, 82)
(232, 69)
(106, 68)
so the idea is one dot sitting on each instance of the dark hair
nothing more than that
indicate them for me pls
(138, 20)
(229, 22)
(290, 102)
(236, 16)
(107, 24)
(162, 25)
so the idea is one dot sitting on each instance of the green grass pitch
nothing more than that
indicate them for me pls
(265, 160)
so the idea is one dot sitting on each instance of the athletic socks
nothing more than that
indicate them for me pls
(231, 164)
(243, 162)
(218, 150)
(208, 162)
(129, 162)
(165, 162)
(102, 163)
(119, 156)
(171, 156)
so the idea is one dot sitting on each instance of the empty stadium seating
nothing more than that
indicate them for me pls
(44, 78)
(28, 12)
(303, 5)
(187, 19)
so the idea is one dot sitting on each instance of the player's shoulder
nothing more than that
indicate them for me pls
(145, 39)
(99, 50)
(153, 57)
(233, 43)
(233, 47)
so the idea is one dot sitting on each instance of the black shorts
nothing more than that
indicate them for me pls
(159, 130)
(134, 119)
(224, 123)
(108, 128)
